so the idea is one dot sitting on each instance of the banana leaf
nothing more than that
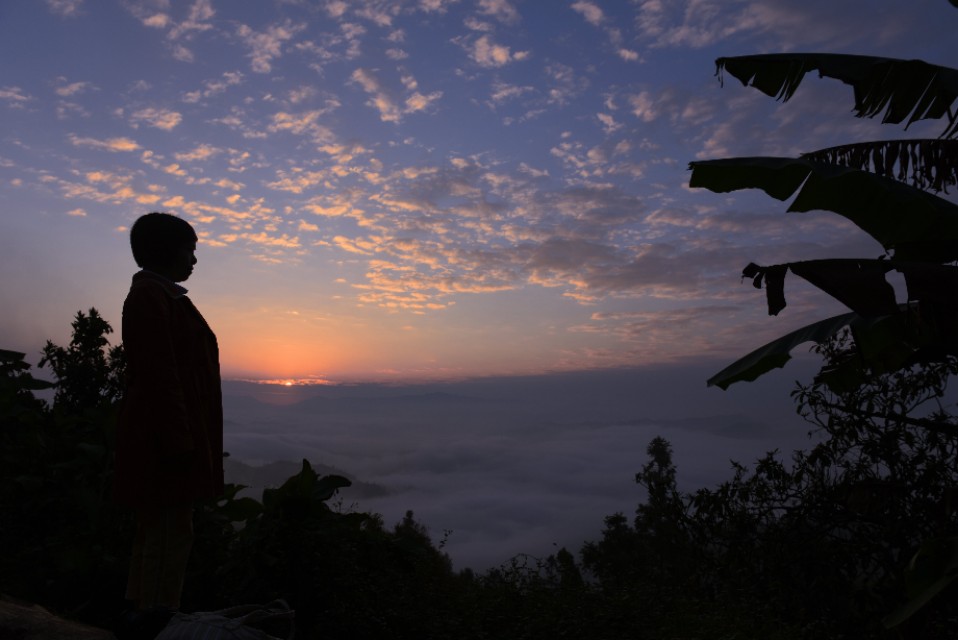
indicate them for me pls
(775, 354)
(896, 89)
(916, 225)
(927, 164)
(861, 285)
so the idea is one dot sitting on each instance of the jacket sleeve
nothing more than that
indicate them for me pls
(155, 384)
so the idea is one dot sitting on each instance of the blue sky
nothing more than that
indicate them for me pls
(430, 189)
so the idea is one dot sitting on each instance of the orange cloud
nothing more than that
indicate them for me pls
(164, 119)
(110, 144)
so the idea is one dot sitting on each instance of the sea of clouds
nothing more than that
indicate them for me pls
(507, 466)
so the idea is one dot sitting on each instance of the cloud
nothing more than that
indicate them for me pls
(298, 181)
(590, 11)
(566, 85)
(199, 153)
(224, 183)
(519, 244)
(107, 188)
(301, 94)
(532, 171)
(65, 110)
(155, 14)
(381, 16)
(266, 46)
(535, 461)
(438, 6)
(484, 52)
(382, 100)
(351, 245)
(182, 53)
(595, 16)
(109, 144)
(165, 119)
(419, 102)
(214, 87)
(298, 123)
(474, 24)
(701, 23)
(502, 10)
(304, 123)
(284, 241)
(65, 8)
(609, 125)
(333, 206)
(208, 213)
(238, 120)
(503, 92)
(14, 96)
(379, 99)
(336, 8)
(157, 20)
(66, 89)
(587, 162)
(201, 12)
(643, 106)
(683, 332)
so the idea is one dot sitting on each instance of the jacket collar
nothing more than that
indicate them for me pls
(173, 289)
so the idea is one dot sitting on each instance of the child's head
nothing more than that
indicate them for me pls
(158, 240)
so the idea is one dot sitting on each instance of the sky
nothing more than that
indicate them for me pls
(414, 190)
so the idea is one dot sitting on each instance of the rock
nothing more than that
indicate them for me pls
(21, 621)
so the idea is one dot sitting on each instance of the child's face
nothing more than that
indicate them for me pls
(181, 266)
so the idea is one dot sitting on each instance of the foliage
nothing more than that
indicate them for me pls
(89, 371)
(896, 89)
(880, 186)
(931, 165)
(68, 537)
(813, 545)
(343, 572)
(929, 233)
(682, 569)
(895, 446)
(777, 353)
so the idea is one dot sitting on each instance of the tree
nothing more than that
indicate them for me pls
(89, 371)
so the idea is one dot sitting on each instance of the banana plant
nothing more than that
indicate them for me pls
(886, 188)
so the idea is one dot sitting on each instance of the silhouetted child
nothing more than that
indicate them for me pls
(169, 449)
